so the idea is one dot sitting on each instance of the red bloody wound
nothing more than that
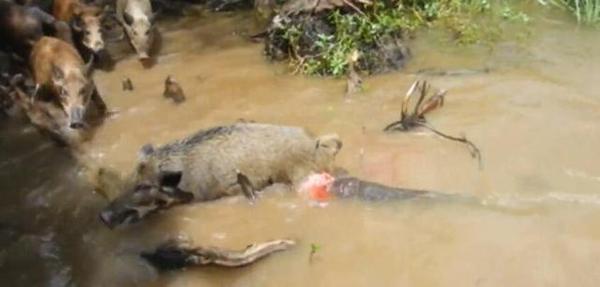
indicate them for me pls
(316, 187)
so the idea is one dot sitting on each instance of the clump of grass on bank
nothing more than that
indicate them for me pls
(320, 43)
(586, 11)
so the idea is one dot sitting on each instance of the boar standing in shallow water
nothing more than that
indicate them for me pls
(137, 19)
(206, 166)
(64, 78)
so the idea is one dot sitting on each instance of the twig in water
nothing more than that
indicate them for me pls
(416, 118)
(473, 149)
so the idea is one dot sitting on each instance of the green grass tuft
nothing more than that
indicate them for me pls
(586, 11)
(467, 21)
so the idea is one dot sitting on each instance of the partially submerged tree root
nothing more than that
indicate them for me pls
(178, 254)
(426, 103)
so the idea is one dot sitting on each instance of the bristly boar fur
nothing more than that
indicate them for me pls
(205, 166)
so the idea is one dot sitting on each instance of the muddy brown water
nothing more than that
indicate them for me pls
(535, 117)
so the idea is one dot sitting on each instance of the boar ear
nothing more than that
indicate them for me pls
(153, 16)
(170, 178)
(146, 151)
(76, 24)
(330, 143)
(77, 9)
(128, 18)
(107, 9)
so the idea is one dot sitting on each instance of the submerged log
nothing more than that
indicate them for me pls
(178, 254)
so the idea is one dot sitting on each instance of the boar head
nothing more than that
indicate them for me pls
(75, 89)
(326, 149)
(150, 190)
(87, 21)
(139, 28)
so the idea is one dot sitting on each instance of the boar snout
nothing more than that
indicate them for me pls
(113, 219)
(76, 118)
(143, 56)
(106, 218)
(143, 200)
(97, 46)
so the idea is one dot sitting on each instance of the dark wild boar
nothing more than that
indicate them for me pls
(84, 19)
(19, 30)
(63, 77)
(206, 165)
(22, 25)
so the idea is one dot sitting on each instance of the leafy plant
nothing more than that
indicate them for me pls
(314, 248)
(468, 21)
(586, 11)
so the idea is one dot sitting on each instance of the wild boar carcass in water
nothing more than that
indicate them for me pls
(63, 77)
(137, 19)
(206, 166)
(84, 19)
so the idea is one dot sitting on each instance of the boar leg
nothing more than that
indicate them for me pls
(99, 102)
(247, 187)
(179, 254)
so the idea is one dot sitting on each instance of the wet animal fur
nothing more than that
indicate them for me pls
(207, 165)
(51, 55)
(208, 160)
(47, 117)
(85, 21)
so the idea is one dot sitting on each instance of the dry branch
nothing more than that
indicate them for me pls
(179, 254)
(426, 103)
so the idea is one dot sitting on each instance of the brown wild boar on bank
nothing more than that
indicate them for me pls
(84, 19)
(63, 77)
(47, 117)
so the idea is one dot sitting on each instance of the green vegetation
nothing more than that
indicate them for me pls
(323, 46)
(586, 11)
(314, 248)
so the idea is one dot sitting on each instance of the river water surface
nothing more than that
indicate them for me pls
(534, 116)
